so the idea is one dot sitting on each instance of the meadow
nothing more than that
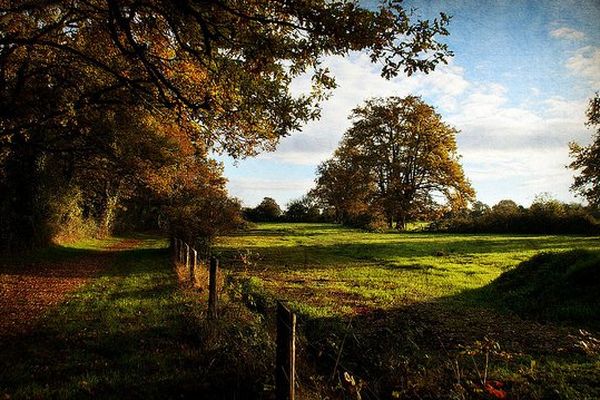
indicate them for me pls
(418, 315)
(380, 315)
(330, 270)
(130, 330)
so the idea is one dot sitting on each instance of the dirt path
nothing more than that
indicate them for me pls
(28, 290)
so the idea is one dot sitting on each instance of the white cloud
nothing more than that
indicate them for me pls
(586, 63)
(519, 174)
(509, 150)
(358, 79)
(567, 33)
(488, 121)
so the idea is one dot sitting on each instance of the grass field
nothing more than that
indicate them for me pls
(329, 270)
(131, 331)
(412, 315)
(409, 316)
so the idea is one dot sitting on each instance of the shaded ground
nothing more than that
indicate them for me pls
(132, 331)
(28, 289)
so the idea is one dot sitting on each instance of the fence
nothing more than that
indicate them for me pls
(285, 363)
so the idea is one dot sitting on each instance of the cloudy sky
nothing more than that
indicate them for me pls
(517, 89)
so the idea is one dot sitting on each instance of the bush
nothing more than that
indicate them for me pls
(304, 209)
(267, 211)
(373, 222)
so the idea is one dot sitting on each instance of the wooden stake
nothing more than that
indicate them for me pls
(193, 267)
(187, 256)
(285, 363)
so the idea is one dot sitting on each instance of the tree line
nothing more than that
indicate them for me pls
(110, 109)
(545, 216)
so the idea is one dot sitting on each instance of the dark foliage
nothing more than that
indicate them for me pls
(267, 211)
(108, 102)
(543, 217)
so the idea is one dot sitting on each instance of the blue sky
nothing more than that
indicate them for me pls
(517, 89)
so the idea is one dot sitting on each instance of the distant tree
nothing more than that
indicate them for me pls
(544, 204)
(344, 186)
(546, 215)
(267, 211)
(401, 157)
(506, 207)
(587, 158)
(479, 208)
(304, 209)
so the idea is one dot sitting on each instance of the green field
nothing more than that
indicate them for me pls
(413, 314)
(408, 316)
(132, 331)
(330, 270)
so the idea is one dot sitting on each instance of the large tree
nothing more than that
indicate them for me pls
(401, 157)
(225, 64)
(211, 75)
(587, 158)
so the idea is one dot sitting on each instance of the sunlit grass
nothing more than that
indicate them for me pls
(415, 308)
(329, 269)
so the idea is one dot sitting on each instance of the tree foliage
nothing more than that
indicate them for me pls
(398, 160)
(304, 209)
(545, 216)
(587, 158)
(267, 211)
(124, 99)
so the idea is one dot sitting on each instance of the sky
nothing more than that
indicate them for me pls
(517, 88)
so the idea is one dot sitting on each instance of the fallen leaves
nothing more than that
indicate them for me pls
(26, 293)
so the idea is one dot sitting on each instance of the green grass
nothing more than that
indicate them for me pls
(124, 333)
(417, 315)
(131, 332)
(552, 287)
(415, 311)
(330, 270)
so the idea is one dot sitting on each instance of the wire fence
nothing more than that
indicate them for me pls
(292, 338)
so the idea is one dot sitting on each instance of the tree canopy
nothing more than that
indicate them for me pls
(586, 159)
(399, 159)
(117, 99)
(267, 211)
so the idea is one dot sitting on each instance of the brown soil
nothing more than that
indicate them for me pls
(28, 290)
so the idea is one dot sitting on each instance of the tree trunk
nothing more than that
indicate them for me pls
(20, 206)
(401, 222)
(110, 207)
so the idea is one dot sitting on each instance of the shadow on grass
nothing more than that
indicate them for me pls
(129, 333)
(441, 349)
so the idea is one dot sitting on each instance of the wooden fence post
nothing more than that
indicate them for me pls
(285, 363)
(187, 256)
(212, 288)
(193, 267)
